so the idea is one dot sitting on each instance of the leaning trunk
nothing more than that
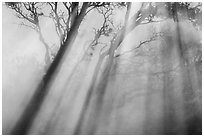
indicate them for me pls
(25, 122)
(99, 82)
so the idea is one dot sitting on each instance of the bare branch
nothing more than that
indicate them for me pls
(24, 16)
(68, 8)
(153, 38)
(29, 26)
(90, 10)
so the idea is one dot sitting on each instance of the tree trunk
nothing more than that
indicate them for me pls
(89, 94)
(25, 122)
(101, 85)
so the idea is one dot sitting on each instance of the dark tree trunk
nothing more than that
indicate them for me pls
(25, 122)
(101, 85)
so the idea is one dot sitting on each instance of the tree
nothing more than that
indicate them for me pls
(77, 14)
(67, 23)
(179, 12)
(186, 71)
(31, 12)
(143, 16)
(186, 10)
(100, 80)
(62, 14)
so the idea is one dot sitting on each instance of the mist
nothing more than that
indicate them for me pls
(118, 69)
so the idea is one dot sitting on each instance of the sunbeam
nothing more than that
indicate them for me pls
(102, 68)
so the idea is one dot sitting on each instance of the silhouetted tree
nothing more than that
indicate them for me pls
(99, 83)
(67, 23)
(31, 12)
(77, 14)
